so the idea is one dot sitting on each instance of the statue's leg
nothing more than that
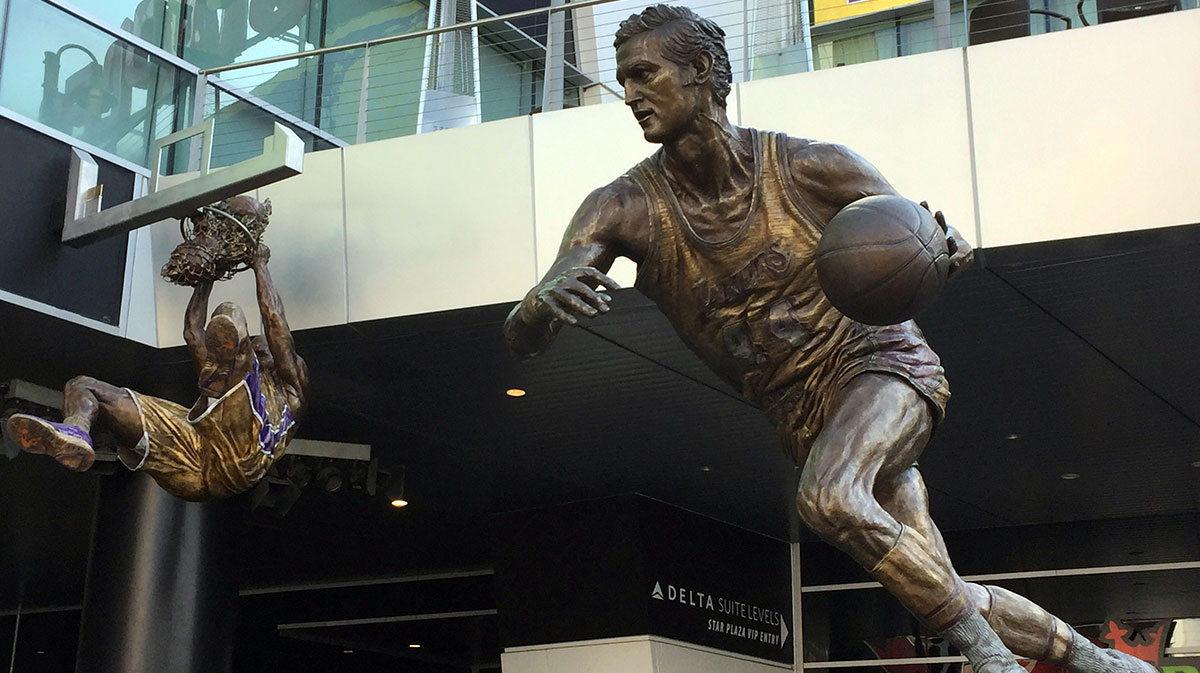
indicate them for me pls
(876, 429)
(84, 401)
(1024, 627)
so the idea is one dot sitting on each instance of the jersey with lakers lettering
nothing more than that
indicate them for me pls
(750, 305)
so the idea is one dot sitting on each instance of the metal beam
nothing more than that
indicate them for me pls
(323, 449)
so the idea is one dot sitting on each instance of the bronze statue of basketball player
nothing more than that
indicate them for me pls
(252, 391)
(723, 223)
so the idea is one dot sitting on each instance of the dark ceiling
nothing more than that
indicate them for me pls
(1073, 356)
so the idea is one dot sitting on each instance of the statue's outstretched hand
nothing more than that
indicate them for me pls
(567, 296)
(962, 254)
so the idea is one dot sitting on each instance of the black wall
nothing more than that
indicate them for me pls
(629, 565)
(33, 261)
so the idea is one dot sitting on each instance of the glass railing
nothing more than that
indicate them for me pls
(486, 66)
(65, 70)
(410, 67)
(75, 78)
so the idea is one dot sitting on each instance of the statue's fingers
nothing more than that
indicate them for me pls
(582, 290)
(601, 278)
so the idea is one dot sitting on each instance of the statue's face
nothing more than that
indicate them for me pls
(658, 91)
(228, 354)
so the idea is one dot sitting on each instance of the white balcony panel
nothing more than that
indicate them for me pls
(907, 116)
(1088, 131)
(439, 221)
(307, 238)
(574, 152)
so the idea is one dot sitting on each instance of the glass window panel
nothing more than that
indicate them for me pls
(221, 32)
(156, 21)
(501, 86)
(350, 21)
(240, 127)
(80, 80)
(289, 85)
(394, 89)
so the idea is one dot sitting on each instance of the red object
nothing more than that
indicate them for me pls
(1145, 644)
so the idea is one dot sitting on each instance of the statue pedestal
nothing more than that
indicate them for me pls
(640, 654)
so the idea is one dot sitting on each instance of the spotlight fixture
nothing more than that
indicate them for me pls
(299, 473)
(1070, 476)
(415, 646)
(274, 493)
(515, 392)
(1012, 436)
(330, 478)
(395, 492)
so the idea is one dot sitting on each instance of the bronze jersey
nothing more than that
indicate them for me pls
(751, 308)
(219, 450)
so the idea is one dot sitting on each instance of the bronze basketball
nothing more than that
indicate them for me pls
(882, 259)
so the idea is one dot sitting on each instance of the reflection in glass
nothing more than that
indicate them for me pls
(221, 32)
(156, 21)
(84, 82)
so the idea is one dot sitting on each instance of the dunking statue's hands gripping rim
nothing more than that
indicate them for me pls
(723, 223)
(252, 391)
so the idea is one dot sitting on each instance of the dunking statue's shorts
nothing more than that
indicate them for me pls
(213, 456)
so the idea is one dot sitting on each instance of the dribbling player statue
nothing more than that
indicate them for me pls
(723, 223)
(252, 389)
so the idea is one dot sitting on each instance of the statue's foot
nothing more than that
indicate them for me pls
(70, 445)
(1127, 663)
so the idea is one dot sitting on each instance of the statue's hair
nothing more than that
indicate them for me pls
(686, 35)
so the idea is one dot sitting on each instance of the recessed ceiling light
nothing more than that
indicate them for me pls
(1196, 463)
(705, 468)
(41, 651)
(1070, 475)
(347, 651)
(1012, 435)
(414, 645)
(515, 392)
(399, 502)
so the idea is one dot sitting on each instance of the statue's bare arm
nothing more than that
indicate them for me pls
(833, 177)
(194, 320)
(289, 366)
(612, 222)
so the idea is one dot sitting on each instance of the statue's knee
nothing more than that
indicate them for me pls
(82, 382)
(830, 512)
(981, 597)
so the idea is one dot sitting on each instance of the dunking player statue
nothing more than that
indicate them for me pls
(723, 223)
(252, 389)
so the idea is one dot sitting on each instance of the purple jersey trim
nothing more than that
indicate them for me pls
(269, 435)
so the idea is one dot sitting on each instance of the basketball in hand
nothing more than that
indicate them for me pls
(882, 259)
